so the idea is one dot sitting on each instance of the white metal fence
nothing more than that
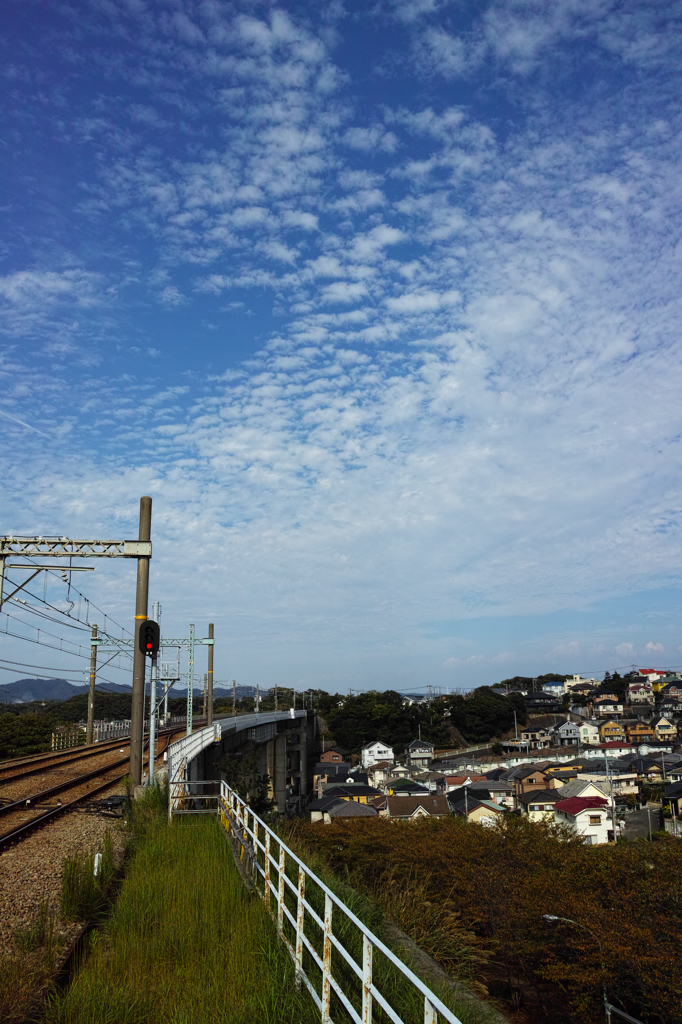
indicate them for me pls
(350, 974)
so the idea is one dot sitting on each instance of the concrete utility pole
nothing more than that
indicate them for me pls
(234, 698)
(209, 709)
(91, 698)
(139, 659)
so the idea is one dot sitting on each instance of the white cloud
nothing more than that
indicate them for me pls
(456, 317)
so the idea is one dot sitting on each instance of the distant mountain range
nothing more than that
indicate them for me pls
(23, 691)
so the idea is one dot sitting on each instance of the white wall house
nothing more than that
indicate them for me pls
(589, 734)
(588, 816)
(555, 688)
(572, 681)
(376, 751)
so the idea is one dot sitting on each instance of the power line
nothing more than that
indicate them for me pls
(39, 675)
(48, 618)
(84, 623)
(62, 640)
(48, 668)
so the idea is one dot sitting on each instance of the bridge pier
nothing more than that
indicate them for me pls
(284, 745)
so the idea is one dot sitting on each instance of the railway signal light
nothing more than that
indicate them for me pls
(150, 638)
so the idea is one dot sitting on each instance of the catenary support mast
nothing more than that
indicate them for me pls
(91, 698)
(209, 709)
(139, 660)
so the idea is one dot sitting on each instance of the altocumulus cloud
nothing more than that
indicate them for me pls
(450, 406)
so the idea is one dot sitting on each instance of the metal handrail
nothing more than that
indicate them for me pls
(246, 827)
(184, 750)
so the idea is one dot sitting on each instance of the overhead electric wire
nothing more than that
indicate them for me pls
(84, 623)
(62, 640)
(67, 671)
(44, 615)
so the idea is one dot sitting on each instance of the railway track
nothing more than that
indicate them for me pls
(25, 828)
(44, 764)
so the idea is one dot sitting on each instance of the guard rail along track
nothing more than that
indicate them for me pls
(332, 950)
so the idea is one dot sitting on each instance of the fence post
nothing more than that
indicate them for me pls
(267, 868)
(280, 897)
(300, 909)
(327, 960)
(366, 980)
(430, 1013)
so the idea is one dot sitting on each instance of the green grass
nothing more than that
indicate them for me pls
(186, 943)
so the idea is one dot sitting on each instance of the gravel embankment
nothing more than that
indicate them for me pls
(31, 872)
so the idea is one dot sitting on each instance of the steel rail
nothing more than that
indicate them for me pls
(79, 780)
(98, 748)
(23, 831)
(19, 762)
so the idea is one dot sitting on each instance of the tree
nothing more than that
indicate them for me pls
(372, 715)
(242, 775)
(483, 714)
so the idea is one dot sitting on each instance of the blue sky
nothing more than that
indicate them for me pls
(379, 302)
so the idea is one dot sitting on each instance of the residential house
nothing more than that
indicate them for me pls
(562, 777)
(334, 806)
(323, 770)
(542, 703)
(611, 732)
(526, 778)
(340, 778)
(434, 781)
(318, 808)
(333, 755)
(465, 779)
(589, 734)
(501, 793)
(605, 692)
(607, 707)
(411, 808)
(535, 737)
(647, 768)
(476, 809)
(619, 778)
(539, 805)
(419, 753)
(664, 728)
(555, 688)
(326, 775)
(582, 787)
(349, 809)
(587, 816)
(639, 732)
(404, 787)
(357, 792)
(379, 772)
(566, 735)
(640, 693)
(655, 677)
(579, 682)
(376, 751)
